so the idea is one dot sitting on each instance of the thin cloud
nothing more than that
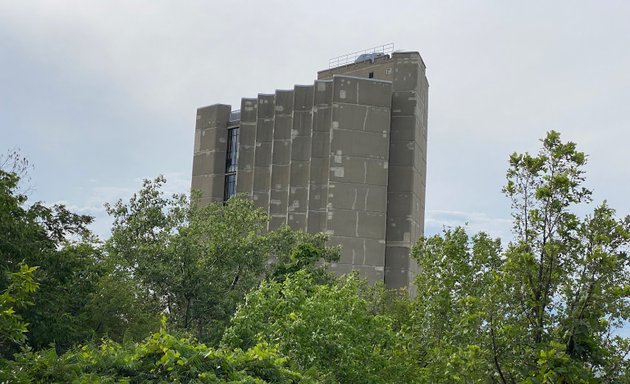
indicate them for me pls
(438, 220)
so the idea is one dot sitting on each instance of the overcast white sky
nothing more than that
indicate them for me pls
(101, 94)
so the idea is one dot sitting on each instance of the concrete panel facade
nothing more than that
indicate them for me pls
(281, 159)
(247, 146)
(407, 176)
(263, 149)
(320, 156)
(345, 156)
(209, 152)
(300, 168)
(358, 161)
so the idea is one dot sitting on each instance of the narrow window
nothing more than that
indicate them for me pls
(231, 151)
(231, 163)
(371, 75)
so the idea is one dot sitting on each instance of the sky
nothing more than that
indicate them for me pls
(99, 95)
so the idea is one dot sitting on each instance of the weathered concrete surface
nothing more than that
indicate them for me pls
(346, 156)
(357, 181)
(262, 153)
(320, 156)
(209, 152)
(300, 167)
(407, 174)
(281, 159)
(247, 146)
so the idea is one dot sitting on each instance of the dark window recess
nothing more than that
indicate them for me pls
(231, 164)
(231, 157)
(371, 75)
(230, 186)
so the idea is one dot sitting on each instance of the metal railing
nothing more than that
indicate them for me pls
(349, 58)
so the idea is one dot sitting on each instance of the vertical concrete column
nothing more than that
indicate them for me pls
(247, 146)
(358, 167)
(320, 156)
(407, 169)
(280, 159)
(262, 153)
(420, 163)
(208, 175)
(300, 156)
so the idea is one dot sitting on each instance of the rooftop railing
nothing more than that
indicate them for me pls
(350, 58)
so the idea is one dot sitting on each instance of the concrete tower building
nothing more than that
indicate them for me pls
(345, 156)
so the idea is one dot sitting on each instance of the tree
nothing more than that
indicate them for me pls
(292, 251)
(12, 326)
(37, 235)
(199, 262)
(545, 309)
(86, 298)
(455, 310)
(193, 260)
(328, 330)
(118, 310)
(161, 358)
(72, 272)
(570, 275)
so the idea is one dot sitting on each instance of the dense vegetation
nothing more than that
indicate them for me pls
(181, 293)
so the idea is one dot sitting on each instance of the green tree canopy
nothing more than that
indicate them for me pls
(16, 296)
(161, 358)
(545, 309)
(72, 272)
(199, 262)
(328, 329)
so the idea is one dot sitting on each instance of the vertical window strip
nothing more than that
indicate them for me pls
(231, 163)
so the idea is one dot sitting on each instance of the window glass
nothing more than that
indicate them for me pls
(231, 164)
(231, 160)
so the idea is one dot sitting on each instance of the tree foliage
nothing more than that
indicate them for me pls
(455, 306)
(73, 274)
(159, 359)
(195, 262)
(199, 262)
(17, 295)
(41, 236)
(326, 329)
(545, 309)
(165, 255)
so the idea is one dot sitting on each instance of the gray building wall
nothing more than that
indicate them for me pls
(209, 153)
(320, 156)
(300, 169)
(357, 181)
(262, 151)
(407, 160)
(407, 174)
(281, 159)
(246, 147)
(345, 156)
